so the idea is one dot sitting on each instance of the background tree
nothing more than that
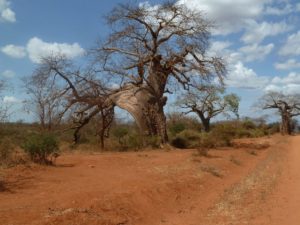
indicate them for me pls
(70, 91)
(45, 99)
(149, 47)
(4, 107)
(208, 102)
(288, 106)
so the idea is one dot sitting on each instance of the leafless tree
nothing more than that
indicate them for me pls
(78, 93)
(4, 107)
(45, 99)
(208, 102)
(149, 46)
(288, 106)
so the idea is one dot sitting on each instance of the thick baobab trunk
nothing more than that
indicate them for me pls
(156, 119)
(146, 103)
(145, 109)
(285, 128)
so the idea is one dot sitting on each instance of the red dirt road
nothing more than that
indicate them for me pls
(232, 187)
(284, 203)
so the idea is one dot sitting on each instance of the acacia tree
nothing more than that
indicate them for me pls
(208, 102)
(288, 106)
(149, 46)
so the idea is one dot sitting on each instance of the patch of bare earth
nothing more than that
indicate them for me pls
(151, 187)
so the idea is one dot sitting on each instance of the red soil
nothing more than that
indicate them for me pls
(232, 186)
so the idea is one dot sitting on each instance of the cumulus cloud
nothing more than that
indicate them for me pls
(219, 47)
(8, 74)
(256, 52)
(257, 32)
(14, 51)
(230, 15)
(292, 45)
(288, 65)
(242, 77)
(37, 49)
(10, 99)
(6, 14)
(292, 78)
(287, 85)
(287, 9)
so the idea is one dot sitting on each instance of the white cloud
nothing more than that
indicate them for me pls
(6, 14)
(243, 77)
(292, 78)
(14, 51)
(219, 47)
(230, 15)
(288, 8)
(37, 49)
(292, 45)
(288, 65)
(8, 74)
(10, 99)
(288, 89)
(256, 52)
(287, 85)
(257, 32)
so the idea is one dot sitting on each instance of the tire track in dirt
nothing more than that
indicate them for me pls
(239, 203)
(282, 207)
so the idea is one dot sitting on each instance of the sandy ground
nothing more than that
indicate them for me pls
(244, 185)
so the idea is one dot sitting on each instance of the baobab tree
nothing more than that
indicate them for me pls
(149, 46)
(208, 102)
(149, 49)
(288, 106)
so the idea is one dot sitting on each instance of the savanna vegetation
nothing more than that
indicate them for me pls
(150, 53)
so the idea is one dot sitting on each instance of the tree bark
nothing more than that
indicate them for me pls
(204, 120)
(285, 124)
(146, 109)
(206, 125)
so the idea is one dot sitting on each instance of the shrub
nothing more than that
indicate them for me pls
(223, 134)
(186, 139)
(179, 142)
(6, 151)
(176, 128)
(120, 133)
(40, 148)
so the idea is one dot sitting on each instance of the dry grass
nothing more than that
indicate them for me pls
(251, 145)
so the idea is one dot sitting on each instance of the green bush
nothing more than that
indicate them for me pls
(176, 128)
(223, 134)
(40, 147)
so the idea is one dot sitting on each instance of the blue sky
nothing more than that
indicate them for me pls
(260, 40)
